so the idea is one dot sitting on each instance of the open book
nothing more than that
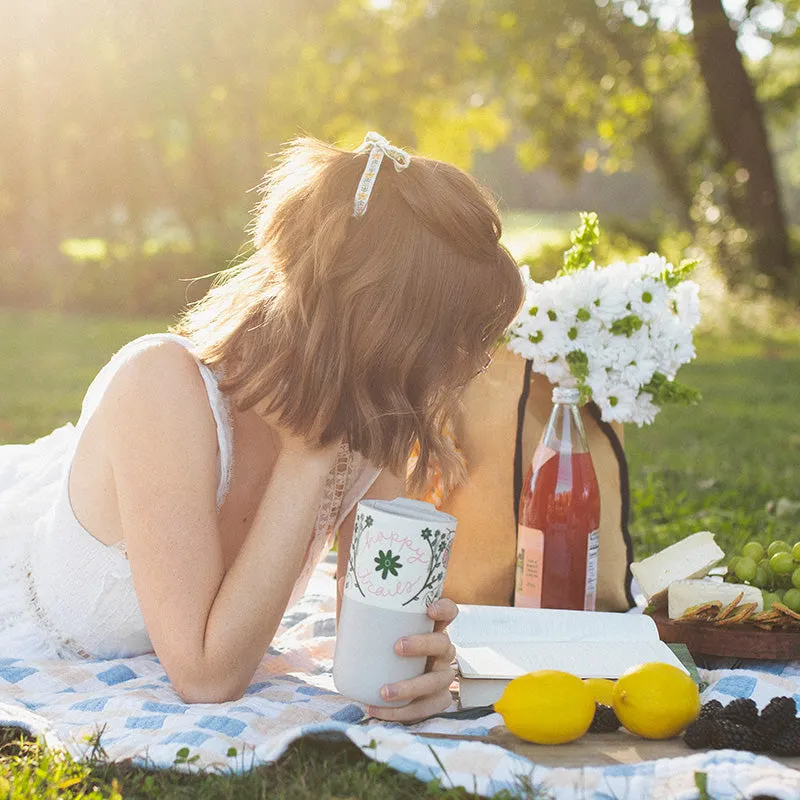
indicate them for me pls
(495, 644)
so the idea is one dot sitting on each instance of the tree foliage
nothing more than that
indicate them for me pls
(577, 77)
(599, 85)
(142, 125)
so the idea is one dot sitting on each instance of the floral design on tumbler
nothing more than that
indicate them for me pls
(439, 544)
(398, 562)
(387, 563)
(362, 523)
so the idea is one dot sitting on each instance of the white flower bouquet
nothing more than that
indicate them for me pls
(618, 333)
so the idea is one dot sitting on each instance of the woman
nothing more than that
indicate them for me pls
(211, 466)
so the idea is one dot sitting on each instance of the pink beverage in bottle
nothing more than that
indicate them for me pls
(559, 516)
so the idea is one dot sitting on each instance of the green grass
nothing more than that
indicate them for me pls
(310, 770)
(721, 466)
(525, 233)
(47, 362)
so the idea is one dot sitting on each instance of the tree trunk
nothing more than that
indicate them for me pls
(667, 161)
(738, 122)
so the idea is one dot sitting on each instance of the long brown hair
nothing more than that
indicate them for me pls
(366, 327)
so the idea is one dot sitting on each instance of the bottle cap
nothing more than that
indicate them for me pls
(562, 394)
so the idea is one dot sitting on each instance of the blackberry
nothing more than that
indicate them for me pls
(711, 709)
(605, 720)
(789, 742)
(742, 711)
(698, 734)
(760, 743)
(729, 735)
(776, 716)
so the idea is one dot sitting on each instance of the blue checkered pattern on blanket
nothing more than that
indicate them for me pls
(292, 695)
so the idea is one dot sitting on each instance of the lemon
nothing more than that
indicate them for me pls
(547, 707)
(601, 689)
(655, 700)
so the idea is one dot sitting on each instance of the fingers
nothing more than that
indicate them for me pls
(437, 645)
(429, 693)
(420, 687)
(415, 711)
(444, 611)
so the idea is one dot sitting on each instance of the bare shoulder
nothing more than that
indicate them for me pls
(159, 397)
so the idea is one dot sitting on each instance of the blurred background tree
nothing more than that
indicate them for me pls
(132, 132)
(652, 86)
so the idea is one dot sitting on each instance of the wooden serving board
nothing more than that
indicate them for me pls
(737, 641)
(593, 749)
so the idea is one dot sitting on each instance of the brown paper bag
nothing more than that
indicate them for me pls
(482, 564)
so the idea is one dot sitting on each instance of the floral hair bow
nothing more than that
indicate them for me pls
(378, 147)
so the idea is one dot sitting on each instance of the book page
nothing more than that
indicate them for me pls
(586, 660)
(485, 625)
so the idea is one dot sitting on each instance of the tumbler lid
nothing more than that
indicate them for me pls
(410, 509)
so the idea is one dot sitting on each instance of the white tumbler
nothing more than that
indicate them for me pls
(397, 566)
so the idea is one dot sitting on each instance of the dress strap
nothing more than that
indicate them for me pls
(220, 405)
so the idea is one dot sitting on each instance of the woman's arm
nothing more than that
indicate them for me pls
(210, 628)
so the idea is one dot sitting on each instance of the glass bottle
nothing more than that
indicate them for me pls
(559, 515)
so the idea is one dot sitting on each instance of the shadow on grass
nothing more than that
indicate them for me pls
(318, 769)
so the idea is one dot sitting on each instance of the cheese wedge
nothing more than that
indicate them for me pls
(691, 557)
(685, 594)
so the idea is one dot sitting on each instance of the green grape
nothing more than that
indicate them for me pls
(792, 599)
(732, 562)
(796, 551)
(746, 569)
(778, 546)
(754, 550)
(782, 563)
(763, 577)
(796, 578)
(769, 599)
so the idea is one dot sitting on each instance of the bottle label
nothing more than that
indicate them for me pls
(592, 551)
(530, 567)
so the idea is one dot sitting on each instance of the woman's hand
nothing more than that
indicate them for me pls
(429, 693)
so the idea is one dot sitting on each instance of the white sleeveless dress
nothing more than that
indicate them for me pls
(65, 594)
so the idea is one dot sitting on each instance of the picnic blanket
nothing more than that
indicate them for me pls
(138, 716)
